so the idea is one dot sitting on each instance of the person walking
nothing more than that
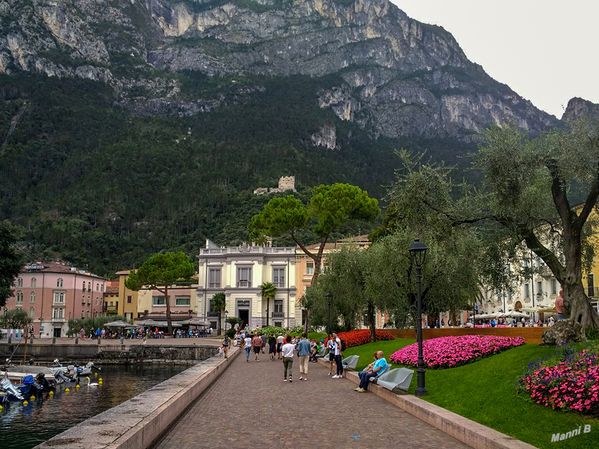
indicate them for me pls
(288, 349)
(257, 345)
(226, 343)
(272, 347)
(338, 356)
(303, 352)
(331, 354)
(248, 347)
(280, 342)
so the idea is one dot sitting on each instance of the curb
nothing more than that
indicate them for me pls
(463, 429)
(140, 421)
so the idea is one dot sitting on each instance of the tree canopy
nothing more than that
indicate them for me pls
(159, 272)
(328, 208)
(11, 260)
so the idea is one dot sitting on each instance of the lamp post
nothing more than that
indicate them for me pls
(329, 296)
(417, 257)
(225, 326)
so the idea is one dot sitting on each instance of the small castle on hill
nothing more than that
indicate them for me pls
(285, 183)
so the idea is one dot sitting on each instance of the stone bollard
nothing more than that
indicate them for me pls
(76, 340)
(53, 340)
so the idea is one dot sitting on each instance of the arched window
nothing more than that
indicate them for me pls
(32, 297)
(59, 282)
(19, 298)
(33, 283)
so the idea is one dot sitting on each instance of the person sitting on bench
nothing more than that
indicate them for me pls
(375, 369)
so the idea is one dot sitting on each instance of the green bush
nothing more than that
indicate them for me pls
(592, 333)
(231, 332)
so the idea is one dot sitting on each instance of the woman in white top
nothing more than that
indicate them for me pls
(248, 347)
(287, 350)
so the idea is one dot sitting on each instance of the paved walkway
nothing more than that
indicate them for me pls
(250, 406)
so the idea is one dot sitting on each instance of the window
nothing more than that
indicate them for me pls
(214, 277)
(129, 299)
(97, 287)
(58, 297)
(19, 282)
(182, 301)
(526, 291)
(110, 304)
(310, 268)
(19, 297)
(83, 286)
(278, 277)
(540, 287)
(83, 299)
(102, 287)
(31, 312)
(244, 276)
(158, 301)
(278, 306)
(59, 282)
(33, 282)
(553, 287)
(58, 313)
(32, 297)
(590, 285)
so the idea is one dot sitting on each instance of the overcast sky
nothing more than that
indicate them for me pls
(545, 50)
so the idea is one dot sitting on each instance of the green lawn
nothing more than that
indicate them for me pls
(485, 392)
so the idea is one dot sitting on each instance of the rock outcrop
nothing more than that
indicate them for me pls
(384, 71)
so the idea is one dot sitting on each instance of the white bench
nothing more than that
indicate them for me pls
(398, 377)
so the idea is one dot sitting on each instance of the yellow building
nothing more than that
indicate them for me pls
(127, 305)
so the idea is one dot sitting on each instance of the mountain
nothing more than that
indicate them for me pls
(129, 127)
(580, 109)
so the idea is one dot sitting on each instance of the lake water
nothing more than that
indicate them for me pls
(25, 427)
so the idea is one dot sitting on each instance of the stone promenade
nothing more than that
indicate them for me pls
(250, 406)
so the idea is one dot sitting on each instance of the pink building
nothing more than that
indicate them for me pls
(52, 293)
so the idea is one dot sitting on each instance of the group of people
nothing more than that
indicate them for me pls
(288, 347)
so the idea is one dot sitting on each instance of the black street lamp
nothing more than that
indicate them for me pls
(329, 295)
(417, 257)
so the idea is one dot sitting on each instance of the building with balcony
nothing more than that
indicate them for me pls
(238, 272)
(53, 292)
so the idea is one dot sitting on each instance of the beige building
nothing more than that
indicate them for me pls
(238, 272)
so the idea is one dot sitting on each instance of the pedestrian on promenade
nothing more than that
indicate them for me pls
(272, 346)
(288, 349)
(303, 351)
(338, 355)
(263, 338)
(331, 354)
(280, 341)
(257, 345)
(226, 342)
(248, 347)
(373, 370)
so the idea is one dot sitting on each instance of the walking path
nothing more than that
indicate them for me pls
(250, 406)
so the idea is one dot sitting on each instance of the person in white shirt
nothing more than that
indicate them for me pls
(280, 341)
(248, 347)
(331, 353)
(287, 350)
(338, 356)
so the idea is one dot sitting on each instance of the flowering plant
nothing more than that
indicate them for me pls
(362, 336)
(449, 352)
(570, 384)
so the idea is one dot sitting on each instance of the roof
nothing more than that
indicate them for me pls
(56, 267)
(123, 272)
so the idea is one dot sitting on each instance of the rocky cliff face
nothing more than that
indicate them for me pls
(394, 76)
(579, 109)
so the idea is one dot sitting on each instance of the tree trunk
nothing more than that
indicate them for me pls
(371, 321)
(578, 308)
(169, 323)
(267, 309)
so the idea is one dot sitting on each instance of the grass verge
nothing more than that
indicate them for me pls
(485, 392)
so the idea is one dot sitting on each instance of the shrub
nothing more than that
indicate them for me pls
(362, 336)
(448, 352)
(568, 384)
(231, 332)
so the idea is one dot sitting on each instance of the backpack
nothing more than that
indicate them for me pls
(343, 345)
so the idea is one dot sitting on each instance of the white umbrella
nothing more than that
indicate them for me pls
(118, 323)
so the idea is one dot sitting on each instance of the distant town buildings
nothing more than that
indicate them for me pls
(285, 183)
(53, 292)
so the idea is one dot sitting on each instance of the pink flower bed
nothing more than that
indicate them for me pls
(448, 352)
(572, 384)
